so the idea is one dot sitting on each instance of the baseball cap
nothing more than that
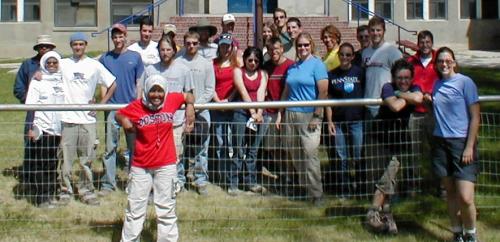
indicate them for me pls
(78, 36)
(225, 38)
(228, 18)
(120, 27)
(167, 28)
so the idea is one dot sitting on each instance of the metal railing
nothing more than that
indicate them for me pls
(149, 9)
(361, 9)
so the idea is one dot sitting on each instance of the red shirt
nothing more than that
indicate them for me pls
(425, 77)
(154, 143)
(252, 86)
(276, 81)
(223, 81)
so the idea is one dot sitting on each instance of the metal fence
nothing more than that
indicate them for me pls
(347, 186)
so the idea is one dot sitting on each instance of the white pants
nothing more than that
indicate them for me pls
(140, 183)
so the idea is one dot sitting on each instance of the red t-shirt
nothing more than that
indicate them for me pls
(223, 81)
(424, 77)
(154, 143)
(276, 81)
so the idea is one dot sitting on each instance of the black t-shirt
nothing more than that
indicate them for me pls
(347, 84)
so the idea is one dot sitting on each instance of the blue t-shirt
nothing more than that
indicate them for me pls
(301, 79)
(404, 114)
(127, 67)
(347, 84)
(451, 99)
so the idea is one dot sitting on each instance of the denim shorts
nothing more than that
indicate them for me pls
(447, 159)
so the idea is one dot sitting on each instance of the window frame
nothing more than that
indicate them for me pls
(60, 25)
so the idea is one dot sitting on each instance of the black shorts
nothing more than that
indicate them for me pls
(447, 159)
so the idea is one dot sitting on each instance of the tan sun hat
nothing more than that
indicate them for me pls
(43, 39)
(204, 24)
(167, 28)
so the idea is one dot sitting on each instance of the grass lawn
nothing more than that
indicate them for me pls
(219, 217)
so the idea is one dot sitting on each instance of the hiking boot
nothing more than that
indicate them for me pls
(458, 237)
(257, 189)
(202, 190)
(390, 224)
(90, 198)
(470, 237)
(374, 220)
(104, 192)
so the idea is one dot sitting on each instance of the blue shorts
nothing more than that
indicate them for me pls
(447, 159)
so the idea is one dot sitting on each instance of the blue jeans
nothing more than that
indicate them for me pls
(221, 121)
(112, 142)
(343, 130)
(197, 150)
(247, 146)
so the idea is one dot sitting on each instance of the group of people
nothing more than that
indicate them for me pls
(155, 78)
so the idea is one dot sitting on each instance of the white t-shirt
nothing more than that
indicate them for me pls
(149, 54)
(378, 63)
(49, 90)
(80, 79)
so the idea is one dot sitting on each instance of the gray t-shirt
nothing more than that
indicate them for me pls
(179, 79)
(203, 76)
(378, 63)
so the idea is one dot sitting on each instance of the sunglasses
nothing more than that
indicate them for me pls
(253, 60)
(448, 62)
(52, 62)
(194, 43)
(279, 17)
(45, 46)
(345, 54)
(303, 45)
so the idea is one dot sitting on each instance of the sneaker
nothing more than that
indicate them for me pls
(469, 237)
(104, 192)
(374, 220)
(458, 237)
(257, 189)
(233, 191)
(202, 190)
(90, 198)
(50, 204)
(390, 224)
(64, 198)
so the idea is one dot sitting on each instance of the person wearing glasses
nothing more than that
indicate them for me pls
(455, 156)
(280, 20)
(363, 37)
(251, 83)
(197, 141)
(331, 37)
(45, 132)
(306, 80)
(345, 124)
(28, 68)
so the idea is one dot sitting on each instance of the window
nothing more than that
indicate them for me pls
(437, 9)
(383, 8)
(489, 9)
(31, 10)
(75, 13)
(121, 9)
(9, 11)
(414, 9)
(468, 9)
(354, 10)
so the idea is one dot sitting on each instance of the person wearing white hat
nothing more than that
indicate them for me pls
(228, 22)
(145, 46)
(43, 45)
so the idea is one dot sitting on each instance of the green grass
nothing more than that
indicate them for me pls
(219, 217)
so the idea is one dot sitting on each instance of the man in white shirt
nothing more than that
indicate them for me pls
(146, 47)
(80, 75)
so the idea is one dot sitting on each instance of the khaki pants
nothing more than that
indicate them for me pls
(140, 183)
(303, 144)
(77, 141)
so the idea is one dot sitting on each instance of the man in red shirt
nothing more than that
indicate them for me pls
(154, 160)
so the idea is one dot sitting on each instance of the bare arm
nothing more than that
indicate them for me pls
(109, 93)
(190, 114)
(413, 98)
(125, 122)
(468, 154)
(318, 112)
(329, 119)
(261, 95)
(394, 103)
